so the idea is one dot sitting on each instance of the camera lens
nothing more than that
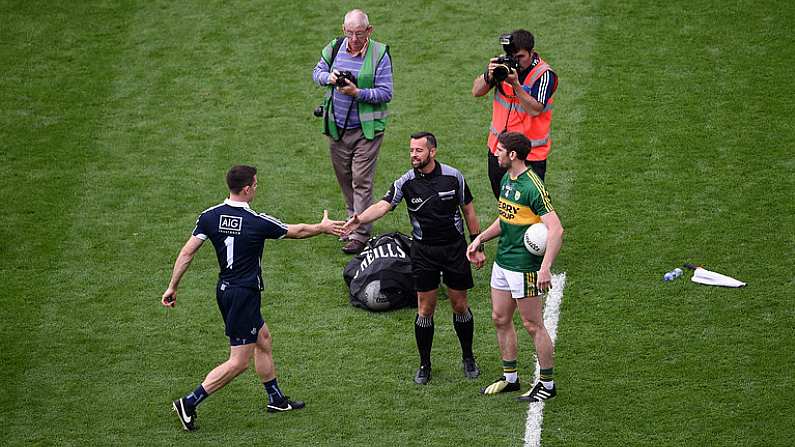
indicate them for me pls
(500, 73)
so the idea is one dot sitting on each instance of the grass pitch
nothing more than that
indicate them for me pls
(672, 142)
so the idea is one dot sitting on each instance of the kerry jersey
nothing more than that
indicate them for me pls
(523, 201)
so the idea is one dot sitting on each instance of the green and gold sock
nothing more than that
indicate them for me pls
(509, 370)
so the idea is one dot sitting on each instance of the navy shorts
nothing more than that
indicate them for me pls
(429, 262)
(240, 307)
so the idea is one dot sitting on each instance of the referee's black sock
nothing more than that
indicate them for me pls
(423, 332)
(464, 325)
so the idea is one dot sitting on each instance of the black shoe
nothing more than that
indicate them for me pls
(471, 370)
(423, 375)
(285, 405)
(353, 247)
(539, 393)
(501, 386)
(186, 414)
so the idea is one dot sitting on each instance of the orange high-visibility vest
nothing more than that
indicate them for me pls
(508, 114)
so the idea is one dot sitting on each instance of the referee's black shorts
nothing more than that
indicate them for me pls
(428, 262)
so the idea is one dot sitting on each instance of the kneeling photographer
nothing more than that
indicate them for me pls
(523, 88)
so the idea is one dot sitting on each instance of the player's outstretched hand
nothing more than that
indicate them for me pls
(351, 225)
(333, 227)
(169, 298)
(474, 255)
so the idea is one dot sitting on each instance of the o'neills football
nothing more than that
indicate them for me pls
(535, 239)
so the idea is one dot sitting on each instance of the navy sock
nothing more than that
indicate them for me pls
(274, 393)
(196, 397)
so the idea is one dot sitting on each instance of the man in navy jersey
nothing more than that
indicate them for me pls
(238, 234)
(436, 195)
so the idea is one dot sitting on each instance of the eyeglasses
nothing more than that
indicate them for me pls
(357, 34)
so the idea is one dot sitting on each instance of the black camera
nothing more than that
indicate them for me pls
(506, 40)
(342, 76)
(318, 112)
(505, 64)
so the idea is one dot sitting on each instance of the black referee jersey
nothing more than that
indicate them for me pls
(433, 202)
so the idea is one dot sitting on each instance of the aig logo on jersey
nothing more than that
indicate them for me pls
(230, 224)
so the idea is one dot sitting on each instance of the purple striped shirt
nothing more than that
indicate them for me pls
(380, 93)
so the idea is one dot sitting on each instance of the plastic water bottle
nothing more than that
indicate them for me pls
(672, 275)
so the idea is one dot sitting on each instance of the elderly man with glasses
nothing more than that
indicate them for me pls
(357, 72)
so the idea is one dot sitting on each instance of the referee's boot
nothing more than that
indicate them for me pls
(423, 375)
(353, 247)
(471, 370)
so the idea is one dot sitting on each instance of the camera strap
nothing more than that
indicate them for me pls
(347, 116)
(340, 132)
(510, 105)
(507, 117)
(335, 48)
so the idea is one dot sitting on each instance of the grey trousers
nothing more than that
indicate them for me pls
(354, 158)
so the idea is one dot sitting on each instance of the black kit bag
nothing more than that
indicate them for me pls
(379, 278)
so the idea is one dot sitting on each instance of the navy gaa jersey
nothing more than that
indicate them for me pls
(433, 201)
(238, 235)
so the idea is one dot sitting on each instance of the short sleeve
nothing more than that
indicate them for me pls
(541, 203)
(271, 227)
(201, 230)
(543, 89)
(467, 195)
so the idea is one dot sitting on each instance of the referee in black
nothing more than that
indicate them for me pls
(238, 235)
(436, 197)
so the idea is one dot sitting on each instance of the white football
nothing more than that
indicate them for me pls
(535, 239)
(375, 299)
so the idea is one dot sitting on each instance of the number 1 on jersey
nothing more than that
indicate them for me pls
(230, 251)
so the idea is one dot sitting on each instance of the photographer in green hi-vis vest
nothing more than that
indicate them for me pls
(357, 72)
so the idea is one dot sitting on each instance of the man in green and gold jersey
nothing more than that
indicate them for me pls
(519, 278)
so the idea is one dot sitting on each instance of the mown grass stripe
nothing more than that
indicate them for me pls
(54, 82)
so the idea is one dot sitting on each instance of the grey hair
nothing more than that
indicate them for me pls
(356, 17)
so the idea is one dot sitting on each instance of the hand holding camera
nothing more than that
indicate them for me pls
(504, 65)
(344, 82)
(501, 67)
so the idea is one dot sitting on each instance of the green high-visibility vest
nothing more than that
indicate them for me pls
(372, 116)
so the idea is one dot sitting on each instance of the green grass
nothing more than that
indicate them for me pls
(672, 142)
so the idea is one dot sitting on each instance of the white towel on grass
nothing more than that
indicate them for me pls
(704, 276)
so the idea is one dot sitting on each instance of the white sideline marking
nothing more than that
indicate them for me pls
(535, 413)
